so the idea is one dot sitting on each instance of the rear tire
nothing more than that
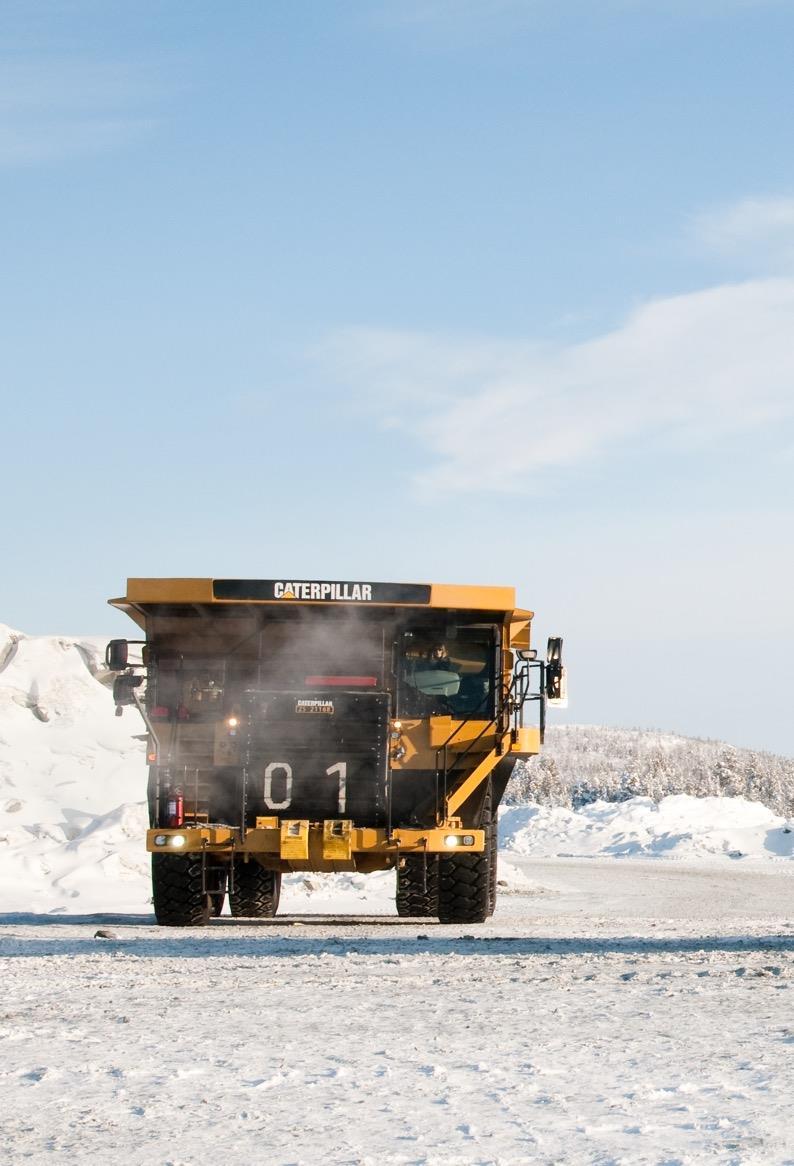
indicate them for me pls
(417, 896)
(255, 892)
(179, 900)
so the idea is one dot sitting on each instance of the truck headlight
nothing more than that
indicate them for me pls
(177, 841)
(160, 839)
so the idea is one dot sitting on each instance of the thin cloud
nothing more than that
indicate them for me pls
(430, 12)
(59, 107)
(758, 232)
(683, 369)
(458, 16)
(457, 25)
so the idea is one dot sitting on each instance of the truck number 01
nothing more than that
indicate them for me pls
(283, 770)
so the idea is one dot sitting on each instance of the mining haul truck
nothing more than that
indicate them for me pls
(328, 726)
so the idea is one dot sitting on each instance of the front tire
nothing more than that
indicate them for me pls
(177, 891)
(464, 887)
(467, 882)
(417, 888)
(493, 865)
(490, 821)
(255, 892)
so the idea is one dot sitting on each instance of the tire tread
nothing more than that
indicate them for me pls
(177, 891)
(416, 896)
(255, 891)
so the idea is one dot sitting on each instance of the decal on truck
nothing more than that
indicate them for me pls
(320, 591)
(315, 706)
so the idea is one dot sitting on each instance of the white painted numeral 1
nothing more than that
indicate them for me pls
(271, 769)
(341, 769)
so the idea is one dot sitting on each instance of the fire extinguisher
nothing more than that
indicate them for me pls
(175, 808)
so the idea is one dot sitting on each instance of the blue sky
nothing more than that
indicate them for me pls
(461, 291)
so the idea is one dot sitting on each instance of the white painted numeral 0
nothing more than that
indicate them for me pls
(271, 769)
(341, 769)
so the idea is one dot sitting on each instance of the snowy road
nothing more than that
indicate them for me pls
(622, 1012)
(728, 895)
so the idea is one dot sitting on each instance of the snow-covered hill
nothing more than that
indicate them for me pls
(70, 775)
(679, 826)
(584, 763)
(72, 779)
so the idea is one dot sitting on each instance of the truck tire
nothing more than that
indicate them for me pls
(490, 823)
(417, 896)
(179, 900)
(464, 887)
(493, 866)
(467, 882)
(255, 891)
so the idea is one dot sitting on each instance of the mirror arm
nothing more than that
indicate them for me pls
(145, 716)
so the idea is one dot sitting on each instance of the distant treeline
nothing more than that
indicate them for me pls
(584, 763)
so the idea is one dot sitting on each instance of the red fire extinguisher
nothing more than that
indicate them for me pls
(175, 808)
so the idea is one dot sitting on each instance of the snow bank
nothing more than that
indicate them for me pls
(69, 840)
(680, 827)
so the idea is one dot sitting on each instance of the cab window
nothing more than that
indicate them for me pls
(447, 671)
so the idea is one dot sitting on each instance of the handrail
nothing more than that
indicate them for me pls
(511, 705)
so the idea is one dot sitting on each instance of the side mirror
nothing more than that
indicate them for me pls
(556, 679)
(117, 655)
(124, 689)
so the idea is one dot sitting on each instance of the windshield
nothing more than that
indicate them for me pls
(449, 671)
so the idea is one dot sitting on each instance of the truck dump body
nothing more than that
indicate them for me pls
(324, 724)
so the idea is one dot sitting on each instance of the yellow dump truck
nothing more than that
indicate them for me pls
(319, 725)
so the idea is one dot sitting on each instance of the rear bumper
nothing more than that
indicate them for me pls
(302, 845)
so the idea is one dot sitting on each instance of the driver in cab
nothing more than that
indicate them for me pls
(436, 678)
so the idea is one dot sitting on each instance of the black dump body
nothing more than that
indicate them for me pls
(316, 755)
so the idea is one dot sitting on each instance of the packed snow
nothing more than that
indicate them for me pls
(628, 1003)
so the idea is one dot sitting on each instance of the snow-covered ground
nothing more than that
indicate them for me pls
(563, 1031)
(613, 1011)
